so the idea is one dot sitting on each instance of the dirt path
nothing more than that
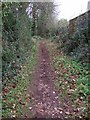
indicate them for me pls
(45, 103)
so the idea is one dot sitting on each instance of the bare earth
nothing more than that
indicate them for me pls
(45, 102)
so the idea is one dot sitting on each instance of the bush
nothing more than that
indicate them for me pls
(16, 32)
(77, 46)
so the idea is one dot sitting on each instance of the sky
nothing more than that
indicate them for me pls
(69, 9)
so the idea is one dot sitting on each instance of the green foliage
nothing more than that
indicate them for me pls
(75, 43)
(71, 80)
(62, 23)
(15, 101)
(42, 14)
(77, 46)
(16, 32)
(75, 70)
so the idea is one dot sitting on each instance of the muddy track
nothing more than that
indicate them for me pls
(45, 103)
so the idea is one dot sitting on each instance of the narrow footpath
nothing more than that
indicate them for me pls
(45, 103)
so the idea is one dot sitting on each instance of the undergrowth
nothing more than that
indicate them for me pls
(72, 81)
(15, 96)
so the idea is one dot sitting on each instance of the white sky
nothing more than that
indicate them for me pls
(69, 9)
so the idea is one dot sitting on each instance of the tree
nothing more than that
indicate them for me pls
(16, 32)
(42, 14)
(62, 23)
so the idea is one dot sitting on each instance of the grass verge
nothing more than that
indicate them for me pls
(15, 97)
(72, 82)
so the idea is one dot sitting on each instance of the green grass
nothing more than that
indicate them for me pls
(15, 99)
(72, 81)
(72, 70)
